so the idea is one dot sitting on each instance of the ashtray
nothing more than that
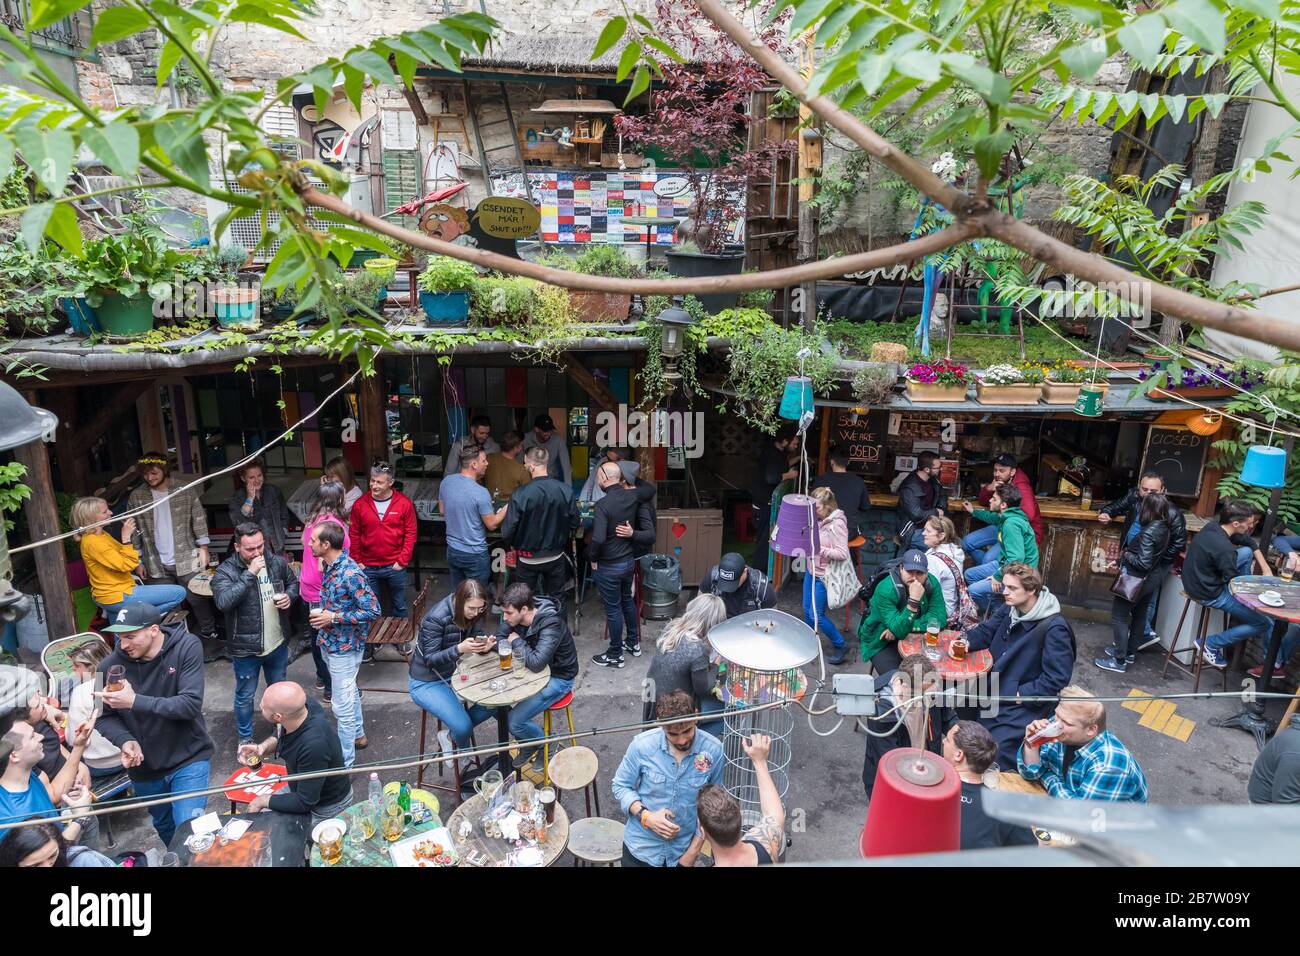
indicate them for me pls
(199, 842)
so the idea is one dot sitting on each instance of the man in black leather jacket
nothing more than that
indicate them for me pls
(254, 590)
(919, 497)
(540, 521)
(1127, 508)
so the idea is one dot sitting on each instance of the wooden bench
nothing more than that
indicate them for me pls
(401, 631)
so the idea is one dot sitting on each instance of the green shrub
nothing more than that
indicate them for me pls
(445, 274)
(500, 301)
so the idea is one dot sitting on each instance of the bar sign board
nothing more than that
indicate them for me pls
(864, 439)
(1177, 455)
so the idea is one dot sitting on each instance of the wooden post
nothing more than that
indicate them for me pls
(374, 423)
(828, 416)
(809, 164)
(43, 522)
(74, 463)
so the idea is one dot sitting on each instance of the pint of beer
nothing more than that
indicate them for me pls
(932, 635)
(1048, 733)
(116, 674)
(506, 654)
(331, 845)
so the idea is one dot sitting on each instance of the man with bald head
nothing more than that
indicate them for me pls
(621, 528)
(305, 741)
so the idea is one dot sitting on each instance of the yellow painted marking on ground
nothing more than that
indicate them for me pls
(1141, 701)
(1157, 715)
(1182, 731)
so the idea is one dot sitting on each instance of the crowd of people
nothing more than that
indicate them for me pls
(358, 544)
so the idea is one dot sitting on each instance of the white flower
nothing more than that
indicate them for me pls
(945, 167)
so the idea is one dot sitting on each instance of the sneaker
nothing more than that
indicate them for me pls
(607, 660)
(1150, 640)
(1279, 673)
(1110, 664)
(368, 655)
(444, 741)
(328, 696)
(320, 685)
(1110, 652)
(1210, 655)
(526, 757)
(361, 743)
(633, 649)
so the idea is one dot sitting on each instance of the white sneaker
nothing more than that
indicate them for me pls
(444, 740)
(1149, 640)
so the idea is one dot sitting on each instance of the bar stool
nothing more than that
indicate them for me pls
(564, 704)
(1192, 668)
(575, 769)
(596, 841)
(854, 551)
(442, 764)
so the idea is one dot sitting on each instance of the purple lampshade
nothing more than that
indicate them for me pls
(795, 531)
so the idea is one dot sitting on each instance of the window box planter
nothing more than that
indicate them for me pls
(1067, 393)
(445, 308)
(605, 307)
(1195, 391)
(1024, 393)
(933, 392)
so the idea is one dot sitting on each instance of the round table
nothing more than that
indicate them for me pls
(496, 851)
(372, 852)
(472, 683)
(596, 840)
(973, 665)
(1246, 589)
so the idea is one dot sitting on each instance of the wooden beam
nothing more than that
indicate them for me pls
(417, 108)
(74, 463)
(82, 438)
(577, 371)
(43, 522)
(374, 423)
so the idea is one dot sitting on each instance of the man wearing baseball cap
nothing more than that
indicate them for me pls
(741, 588)
(907, 599)
(545, 436)
(154, 713)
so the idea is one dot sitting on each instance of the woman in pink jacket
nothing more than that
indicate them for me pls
(833, 534)
(329, 504)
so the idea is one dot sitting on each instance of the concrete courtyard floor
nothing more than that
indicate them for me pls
(825, 803)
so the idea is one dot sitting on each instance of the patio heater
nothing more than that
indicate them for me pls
(22, 424)
(763, 652)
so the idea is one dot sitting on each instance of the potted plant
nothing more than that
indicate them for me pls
(1199, 381)
(699, 120)
(1007, 385)
(237, 297)
(445, 285)
(937, 381)
(1064, 379)
(599, 260)
(125, 274)
(498, 301)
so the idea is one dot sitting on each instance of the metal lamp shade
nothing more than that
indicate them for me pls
(795, 531)
(20, 423)
(765, 641)
(1265, 467)
(797, 399)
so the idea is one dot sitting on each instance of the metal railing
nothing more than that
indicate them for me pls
(14, 14)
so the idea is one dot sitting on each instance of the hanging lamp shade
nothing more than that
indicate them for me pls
(798, 398)
(795, 531)
(1090, 401)
(1265, 467)
(1206, 424)
(915, 806)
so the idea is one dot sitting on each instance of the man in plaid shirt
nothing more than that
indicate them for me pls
(342, 620)
(1085, 761)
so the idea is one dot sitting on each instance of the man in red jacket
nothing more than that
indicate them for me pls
(982, 544)
(382, 531)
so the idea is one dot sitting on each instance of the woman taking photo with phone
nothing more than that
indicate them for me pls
(452, 628)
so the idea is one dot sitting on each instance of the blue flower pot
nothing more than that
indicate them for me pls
(81, 315)
(445, 307)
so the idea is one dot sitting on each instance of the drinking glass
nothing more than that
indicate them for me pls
(1048, 733)
(331, 845)
(506, 653)
(488, 783)
(393, 822)
(365, 817)
(546, 796)
(116, 674)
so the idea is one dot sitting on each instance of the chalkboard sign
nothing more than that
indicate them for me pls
(864, 439)
(1178, 456)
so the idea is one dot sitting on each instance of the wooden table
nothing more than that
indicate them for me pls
(472, 683)
(358, 851)
(256, 783)
(974, 664)
(596, 840)
(1010, 780)
(1246, 589)
(574, 769)
(557, 834)
(272, 839)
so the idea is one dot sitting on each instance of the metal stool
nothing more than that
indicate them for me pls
(575, 769)
(596, 841)
(564, 704)
(442, 764)
(1192, 668)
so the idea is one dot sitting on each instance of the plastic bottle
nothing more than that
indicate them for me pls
(376, 793)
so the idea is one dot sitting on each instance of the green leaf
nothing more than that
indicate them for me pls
(115, 23)
(371, 63)
(6, 156)
(47, 12)
(873, 69)
(612, 33)
(1269, 9)
(32, 224)
(809, 12)
(923, 65)
(864, 34)
(947, 12)
(184, 145)
(406, 65)
(434, 50)
(640, 83)
(626, 62)
(836, 22)
(665, 49)
(1143, 39)
(62, 228)
(991, 86)
(48, 152)
(117, 144)
(1200, 21)
(167, 60)
(989, 151)
(1177, 105)
(354, 81)
(246, 13)
(1085, 59)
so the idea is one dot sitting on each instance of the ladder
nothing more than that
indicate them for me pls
(471, 110)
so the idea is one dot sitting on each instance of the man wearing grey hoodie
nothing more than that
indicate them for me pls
(1033, 652)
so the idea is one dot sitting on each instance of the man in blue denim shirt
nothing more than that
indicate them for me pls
(658, 782)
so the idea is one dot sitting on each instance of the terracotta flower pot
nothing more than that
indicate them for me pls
(605, 307)
(934, 392)
(1023, 393)
(1196, 391)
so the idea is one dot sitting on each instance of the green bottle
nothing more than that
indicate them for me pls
(404, 801)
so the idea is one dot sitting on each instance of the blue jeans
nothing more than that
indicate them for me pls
(711, 705)
(469, 564)
(347, 700)
(979, 582)
(1286, 543)
(168, 816)
(273, 665)
(522, 725)
(162, 596)
(441, 701)
(1253, 623)
(614, 582)
(1284, 651)
(393, 581)
(982, 545)
(814, 589)
(318, 658)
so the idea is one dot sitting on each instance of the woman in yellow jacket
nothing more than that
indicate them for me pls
(110, 563)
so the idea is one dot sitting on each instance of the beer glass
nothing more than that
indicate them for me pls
(1046, 734)
(250, 757)
(488, 783)
(957, 649)
(365, 817)
(932, 642)
(116, 674)
(521, 794)
(1285, 570)
(392, 821)
(506, 654)
(331, 845)
(546, 796)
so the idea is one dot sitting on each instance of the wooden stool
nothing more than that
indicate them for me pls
(596, 841)
(564, 704)
(1192, 668)
(575, 769)
(442, 765)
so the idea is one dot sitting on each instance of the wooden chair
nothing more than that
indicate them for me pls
(401, 631)
(1194, 665)
(442, 766)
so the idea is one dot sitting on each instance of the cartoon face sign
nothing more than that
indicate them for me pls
(444, 222)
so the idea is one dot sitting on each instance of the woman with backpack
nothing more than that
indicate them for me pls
(833, 535)
(946, 560)
(1142, 566)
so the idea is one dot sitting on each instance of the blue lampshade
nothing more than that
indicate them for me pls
(1265, 467)
(798, 398)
